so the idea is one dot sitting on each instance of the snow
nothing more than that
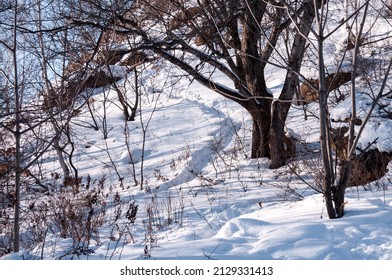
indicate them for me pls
(210, 200)
(232, 209)
(378, 133)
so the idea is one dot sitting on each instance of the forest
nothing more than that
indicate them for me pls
(200, 129)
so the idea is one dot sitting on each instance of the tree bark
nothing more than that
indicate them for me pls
(17, 135)
(325, 137)
(345, 166)
(281, 107)
(246, 67)
(277, 134)
(48, 89)
(260, 134)
(338, 193)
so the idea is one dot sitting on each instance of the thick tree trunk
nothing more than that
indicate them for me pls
(278, 157)
(280, 152)
(260, 134)
(280, 108)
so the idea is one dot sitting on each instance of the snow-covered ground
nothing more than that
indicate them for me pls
(203, 197)
(206, 198)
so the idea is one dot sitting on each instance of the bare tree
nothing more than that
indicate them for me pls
(23, 124)
(19, 112)
(16, 109)
(337, 165)
(48, 88)
(235, 38)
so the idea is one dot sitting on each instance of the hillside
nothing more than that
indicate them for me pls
(203, 197)
(179, 182)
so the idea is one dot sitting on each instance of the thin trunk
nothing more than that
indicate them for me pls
(75, 179)
(17, 135)
(60, 154)
(325, 137)
(95, 126)
(56, 142)
(328, 173)
(136, 105)
(346, 166)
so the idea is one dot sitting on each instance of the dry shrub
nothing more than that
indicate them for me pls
(369, 166)
(185, 17)
(6, 227)
(79, 213)
(134, 59)
(308, 94)
(76, 213)
(333, 81)
(352, 40)
(340, 141)
(64, 97)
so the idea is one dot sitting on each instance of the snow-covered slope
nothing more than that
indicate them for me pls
(198, 193)
(203, 198)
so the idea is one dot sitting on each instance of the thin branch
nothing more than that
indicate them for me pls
(374, 104)
(347, 19)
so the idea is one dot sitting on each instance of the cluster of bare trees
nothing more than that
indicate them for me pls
(241, 38)
(49, 68)
(37, 101)
(51, 52)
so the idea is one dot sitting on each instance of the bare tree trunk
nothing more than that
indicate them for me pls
(328, 171)
(260, 134)
(346, 165)
(136, 105)
(249, 59)
(60, 153)
(48, 89)
(281, 107)
(128, 109)
(325, 137)
(17, 135)
(277, 134)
